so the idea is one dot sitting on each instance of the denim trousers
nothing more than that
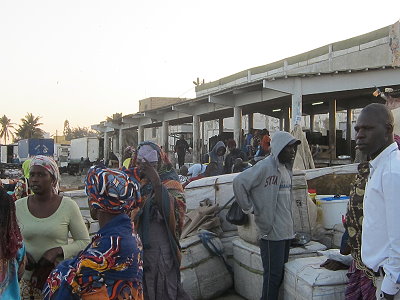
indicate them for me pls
(274, 255)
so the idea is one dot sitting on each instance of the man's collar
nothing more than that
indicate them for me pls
(377, 160)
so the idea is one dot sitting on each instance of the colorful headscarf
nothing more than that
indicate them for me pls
(111, 190)
(50, 165)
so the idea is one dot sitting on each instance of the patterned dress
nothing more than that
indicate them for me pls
(361, 279)
(113, 259)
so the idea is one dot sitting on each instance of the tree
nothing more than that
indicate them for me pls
(67, 131)
(78, 132)
(29, 127)
(5, 130)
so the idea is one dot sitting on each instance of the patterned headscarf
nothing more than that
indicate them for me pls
(113, 191)
(50, 165)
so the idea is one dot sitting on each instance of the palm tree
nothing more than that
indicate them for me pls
(5, 130)
(30, 127)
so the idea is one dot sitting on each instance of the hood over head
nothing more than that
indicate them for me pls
(219, 144)
(279, 141)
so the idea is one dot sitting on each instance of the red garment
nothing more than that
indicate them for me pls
(266, 143)
(200, 176)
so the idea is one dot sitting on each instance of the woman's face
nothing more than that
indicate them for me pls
(40, 180)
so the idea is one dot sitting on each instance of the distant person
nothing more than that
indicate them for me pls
(266, 190)
(81, 165)
(46, 220)
(239, 165)
(181, 147)
(129, 153)
(211, 170)
(233, 154)
(183, 174)
(217, 155)
(196, 169)
(111, 267)
(380, 242)
(12, 249)
(249, 142)
(22, 186)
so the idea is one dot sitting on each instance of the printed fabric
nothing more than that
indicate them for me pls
(113, 191)
(113, 259)
(354, 218)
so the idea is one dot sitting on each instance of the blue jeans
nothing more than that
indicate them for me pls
(274, 255)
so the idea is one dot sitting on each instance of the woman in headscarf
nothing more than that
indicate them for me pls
(160, 221)
(12, 250)
(46, 219)
(110, 268)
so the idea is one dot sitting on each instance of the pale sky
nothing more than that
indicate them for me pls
(87, 59)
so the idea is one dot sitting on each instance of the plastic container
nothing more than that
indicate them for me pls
(333, 209)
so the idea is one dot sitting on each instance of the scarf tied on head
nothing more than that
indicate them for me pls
(113, 191)
(51, 166)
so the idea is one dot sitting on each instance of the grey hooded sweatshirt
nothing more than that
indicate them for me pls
(217, 159)
(257, 188)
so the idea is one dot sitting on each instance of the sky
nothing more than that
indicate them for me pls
(82, 61)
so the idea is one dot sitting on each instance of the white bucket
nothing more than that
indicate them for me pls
(332, 210)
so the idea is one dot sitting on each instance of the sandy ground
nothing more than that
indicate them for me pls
(71, 182)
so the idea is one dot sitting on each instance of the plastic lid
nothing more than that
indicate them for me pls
(335, 198)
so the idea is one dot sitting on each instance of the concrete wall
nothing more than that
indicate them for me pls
(156, 102)
(371, 50)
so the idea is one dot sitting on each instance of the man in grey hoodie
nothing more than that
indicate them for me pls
(266, 190)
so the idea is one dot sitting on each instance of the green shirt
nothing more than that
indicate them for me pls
(42, 234)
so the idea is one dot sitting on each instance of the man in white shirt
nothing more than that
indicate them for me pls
(380, 246)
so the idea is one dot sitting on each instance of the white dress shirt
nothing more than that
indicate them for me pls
(380, 245)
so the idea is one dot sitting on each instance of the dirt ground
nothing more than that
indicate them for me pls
(71, 182)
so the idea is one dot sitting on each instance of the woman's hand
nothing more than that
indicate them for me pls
(44, 266)
(51, 255)
(150, 172)
(30, 262)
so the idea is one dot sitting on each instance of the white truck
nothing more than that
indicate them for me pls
(83, 151)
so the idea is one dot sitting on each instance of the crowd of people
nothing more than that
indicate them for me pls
(46, 251)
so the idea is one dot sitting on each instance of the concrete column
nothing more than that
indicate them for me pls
(312, 122)
(115, 143)
(106, 146)
(286, 116)
(221, 125)
(297, 102)
(332, 128)
(196, 139)
(140, 134)
(250, 121)
(203, 140)
(165, 131)
(237, 125)
(348, 130)
(281, 123)
(120, 147)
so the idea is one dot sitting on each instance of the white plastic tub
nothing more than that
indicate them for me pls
(332, 209)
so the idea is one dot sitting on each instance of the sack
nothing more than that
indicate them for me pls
(236, 216)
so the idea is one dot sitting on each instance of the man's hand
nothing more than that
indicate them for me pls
(334, 265)
(388, 297)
